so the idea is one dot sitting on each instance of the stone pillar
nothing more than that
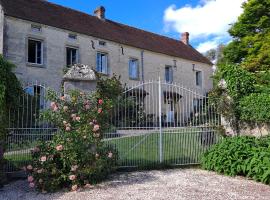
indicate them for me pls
(80, 77)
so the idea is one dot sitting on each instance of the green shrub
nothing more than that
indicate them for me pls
(255, 107)
(245, 156)
(76, 157)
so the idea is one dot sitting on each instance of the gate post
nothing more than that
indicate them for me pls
(160, 122)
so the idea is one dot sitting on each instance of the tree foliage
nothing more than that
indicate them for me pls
(245, 67)
(251, 37)
(9, 89)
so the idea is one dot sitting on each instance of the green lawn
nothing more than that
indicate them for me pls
(179, 147)
(183, 146)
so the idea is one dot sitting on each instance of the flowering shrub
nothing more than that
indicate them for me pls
(76, 157)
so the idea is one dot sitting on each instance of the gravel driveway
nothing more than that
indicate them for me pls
(169, 184)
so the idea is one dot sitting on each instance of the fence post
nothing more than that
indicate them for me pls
(160, 122)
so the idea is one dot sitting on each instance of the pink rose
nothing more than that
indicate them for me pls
(87, 106)
(65, 108)
(29, 167)
(100, 110)
(53, 104)
(74, 168)
(55, 109)
(78, 119)
(59, 148)
(43, 158)
(72, 177)
(68, 128)
(73, 115)
(39, 171)
(110, 155)
(74, 187)
(96, 128)
(31, 185)
(30, 178)
(100, 101)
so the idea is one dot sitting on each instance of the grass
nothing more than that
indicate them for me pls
(179, 147)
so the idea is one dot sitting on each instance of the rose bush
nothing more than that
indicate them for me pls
(76, 157)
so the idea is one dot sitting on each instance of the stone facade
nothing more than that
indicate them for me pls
(55, 41)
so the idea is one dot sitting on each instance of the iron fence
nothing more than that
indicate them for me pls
(152, 123)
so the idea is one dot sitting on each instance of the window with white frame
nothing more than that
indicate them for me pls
(72, 56)
(198, 78)
(133, 69)
(35, 51)
(102, 63)
(35, 28)
(168, 74)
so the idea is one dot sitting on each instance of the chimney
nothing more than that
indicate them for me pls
(185, 38)
(100, 12)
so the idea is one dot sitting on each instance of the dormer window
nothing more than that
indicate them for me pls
(102, 43)
(72, 36)
(35, 28)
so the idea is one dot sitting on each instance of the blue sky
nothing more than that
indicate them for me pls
(170, 17)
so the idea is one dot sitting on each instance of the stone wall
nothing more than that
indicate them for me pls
(56, 40)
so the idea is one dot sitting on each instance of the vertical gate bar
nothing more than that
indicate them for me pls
(160, 123)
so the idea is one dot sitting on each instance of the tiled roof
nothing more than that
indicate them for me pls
(43, 12)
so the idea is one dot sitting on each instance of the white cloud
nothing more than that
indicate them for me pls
(205, 46)
(210, 18)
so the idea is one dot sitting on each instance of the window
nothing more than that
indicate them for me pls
(168, 74)
(102, 63)
(72, 36)
(35, 28)
(101, 43)
(133, 69)
(35, 52)
(39, 93)
(72, 56)
(198, 78)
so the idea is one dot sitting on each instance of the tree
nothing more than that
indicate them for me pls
(215, 55)
(251, 37)
(245, 68)
(10, 88)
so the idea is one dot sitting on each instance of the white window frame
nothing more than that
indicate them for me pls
(170, 73)
(36, 28)
(77, 56)
(137, 68)
(100, 68)
(198, 80)
(36, 50)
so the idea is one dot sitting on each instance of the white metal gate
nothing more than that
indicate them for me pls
(162, 123)
(152, 123)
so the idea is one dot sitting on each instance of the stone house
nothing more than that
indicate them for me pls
(42, 38)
